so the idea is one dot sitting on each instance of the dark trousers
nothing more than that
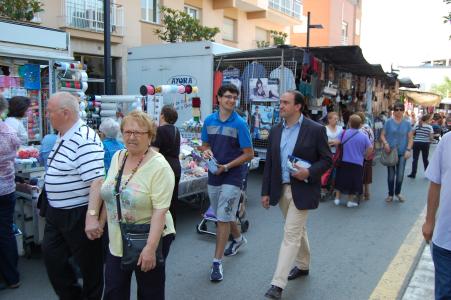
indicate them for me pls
(442, 265)
(8, 245)
(175, 201)
(424, 149)
(396, 176)
(64, 236)
(150, 284)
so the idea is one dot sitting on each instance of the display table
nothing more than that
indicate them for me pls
(192, 186)
(26, 214)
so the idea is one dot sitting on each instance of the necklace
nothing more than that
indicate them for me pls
(133, 170)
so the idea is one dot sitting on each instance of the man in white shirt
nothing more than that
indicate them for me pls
(439, 173)
(75, 170)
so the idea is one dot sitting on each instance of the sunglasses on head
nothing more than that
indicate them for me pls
(399, 109)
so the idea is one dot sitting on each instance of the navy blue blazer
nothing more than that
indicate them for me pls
(312, 146)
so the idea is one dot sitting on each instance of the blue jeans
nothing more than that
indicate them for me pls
(442, 264)
(8, 246)
(395, 184)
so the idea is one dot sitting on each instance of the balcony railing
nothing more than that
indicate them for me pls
(293, 8)
(344, 40)
(88, 15)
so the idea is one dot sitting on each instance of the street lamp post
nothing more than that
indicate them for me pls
(107, 46)
(309, 26)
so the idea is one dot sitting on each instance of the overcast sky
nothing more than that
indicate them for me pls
(404, 32)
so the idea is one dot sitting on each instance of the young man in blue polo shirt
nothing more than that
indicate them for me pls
(226, 138)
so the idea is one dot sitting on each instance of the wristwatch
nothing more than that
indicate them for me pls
(92, 212)
(226, 168)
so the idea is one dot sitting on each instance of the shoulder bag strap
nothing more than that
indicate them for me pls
(349, 137)
(56, 152)
(116, 188)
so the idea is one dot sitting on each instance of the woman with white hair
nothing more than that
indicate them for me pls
(109, 130)
(8, 247)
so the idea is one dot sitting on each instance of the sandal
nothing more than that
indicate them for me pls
(366, 196)
(389, 199)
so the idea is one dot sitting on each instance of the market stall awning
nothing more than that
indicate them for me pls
(275, 52)
(421, 98)
(446, 101)
(407, 83)
(347, 59)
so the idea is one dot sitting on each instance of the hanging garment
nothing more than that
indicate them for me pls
(253, 70)
(217, 82)
(288, 79)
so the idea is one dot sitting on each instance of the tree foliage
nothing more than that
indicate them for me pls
(444, 88)
(20, 10)
(181, 27)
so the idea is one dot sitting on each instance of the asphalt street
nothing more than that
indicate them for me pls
(351, 248)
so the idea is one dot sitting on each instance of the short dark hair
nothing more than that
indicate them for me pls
(169, 113)
(228, 88)
(299, 99)
(425, 118)
(18, 106)
(398, 104)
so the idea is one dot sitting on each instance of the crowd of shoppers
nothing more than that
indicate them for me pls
(95, 183)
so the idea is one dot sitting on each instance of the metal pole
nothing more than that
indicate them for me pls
(107, 46)
(308, 29)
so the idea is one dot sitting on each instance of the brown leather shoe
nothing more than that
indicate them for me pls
(274, 292)
(296, 272)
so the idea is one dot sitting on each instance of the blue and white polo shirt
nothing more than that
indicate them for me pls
(226, 139)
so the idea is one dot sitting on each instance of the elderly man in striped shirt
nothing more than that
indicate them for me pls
(75, 167)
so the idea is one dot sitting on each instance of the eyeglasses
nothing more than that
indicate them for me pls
(230, 97)
(399, 109)
(129, 133)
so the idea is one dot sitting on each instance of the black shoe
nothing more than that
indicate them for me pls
(296, 272)
(411, 176)
(274, 292)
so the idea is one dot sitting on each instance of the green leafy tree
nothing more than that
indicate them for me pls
(443, 89)
(181, 27)
(279, 37)
(20, 10)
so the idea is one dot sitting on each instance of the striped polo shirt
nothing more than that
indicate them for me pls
(76, 164)
(422, 133)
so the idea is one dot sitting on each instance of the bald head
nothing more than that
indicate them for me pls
(67, 101)
(63, 111)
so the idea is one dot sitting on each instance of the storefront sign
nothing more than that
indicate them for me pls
(182, 80)
(33, 35)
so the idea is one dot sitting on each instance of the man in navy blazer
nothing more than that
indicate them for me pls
(296, 190)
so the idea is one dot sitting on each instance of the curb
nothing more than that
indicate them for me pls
(395, 279)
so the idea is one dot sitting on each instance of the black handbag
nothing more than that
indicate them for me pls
(134, 236)
(43, 201)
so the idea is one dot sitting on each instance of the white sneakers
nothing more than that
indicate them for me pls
(349, 204)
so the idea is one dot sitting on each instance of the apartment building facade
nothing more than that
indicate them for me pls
(242, 23)
(340, 20)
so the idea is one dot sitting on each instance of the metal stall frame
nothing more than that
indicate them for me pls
(270, 60)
